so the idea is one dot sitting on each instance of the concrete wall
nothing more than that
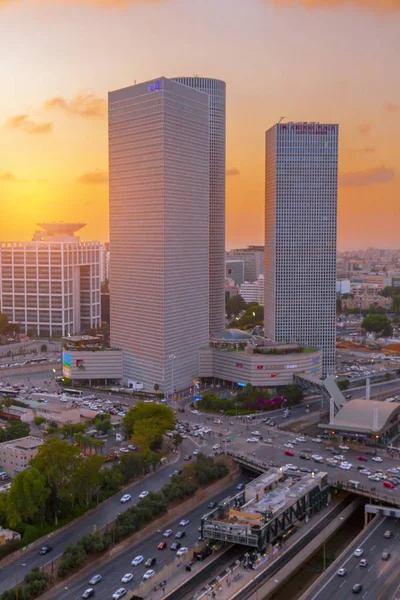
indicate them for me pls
(106, 364)
(264, 370)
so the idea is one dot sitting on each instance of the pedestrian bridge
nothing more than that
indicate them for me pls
(327, 387)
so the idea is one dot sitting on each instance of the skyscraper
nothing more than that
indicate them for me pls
(300, 236)
(159, 230)
(216, 91)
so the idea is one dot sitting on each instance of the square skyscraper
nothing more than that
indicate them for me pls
(300, 236)
(159, 230)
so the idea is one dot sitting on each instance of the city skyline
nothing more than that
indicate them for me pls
(53, 147)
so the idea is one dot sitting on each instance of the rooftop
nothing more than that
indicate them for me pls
(61, 228)
(365, 416)
(27, 443)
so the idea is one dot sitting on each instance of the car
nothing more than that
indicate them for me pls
(252, 440)
(209, 505)
(344, 448)
(346, 466)
(149, 574)
(377, 459)
(187, 457)
(255, 433)
(301, 439)
(339, 457)
(304, 456)
(119, 593)
(143, 494)
(388, 484)
(131, 447)
(167, 533)
(357, 588)
(288, 445)
(45, 549)
(125, 498)
(240, 486)
(317, 440)
(88, 593)
(305, 470)
(385, 555)
(150, 562)
(289, 453)
(365, 472)
(180, 534)
(127, 578)
(317, 458)
(95, 579)
(162, 545)
(362, 458)
(184, 522)
(183, 550)
(363, 562)
(137, 560)
(342, 572)
(373, 478)
(196, 452)
(123, 450)
(175, 546)
(216, 446)
(358, 552)
(291, 467)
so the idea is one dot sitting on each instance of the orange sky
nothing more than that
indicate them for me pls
(317, 60)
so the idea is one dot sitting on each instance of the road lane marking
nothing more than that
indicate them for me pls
(371, 568)
(342, 584)
(372, 547)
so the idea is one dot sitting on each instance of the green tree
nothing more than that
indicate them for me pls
(377, 323)
(39, 420)
(147, 422)
(343, 384)
(17, 429)
(27, 497)
(71, 429)
(396, 303)
(87, 479)
(177, 439)
(235, 305)
(293, 393)
(156, 387)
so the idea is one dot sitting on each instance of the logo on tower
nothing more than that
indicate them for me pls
(155, 86)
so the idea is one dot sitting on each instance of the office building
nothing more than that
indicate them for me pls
(234, 269)
(216, 92)
(51, 286)
(15, 455)
(300, 236)
(253, 291)
(253, 259)
(159, 168)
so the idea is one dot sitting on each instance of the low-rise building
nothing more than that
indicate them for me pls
(16, 454)
(87, 360)
(8, 535)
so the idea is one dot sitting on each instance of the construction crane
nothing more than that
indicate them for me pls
(281, 119)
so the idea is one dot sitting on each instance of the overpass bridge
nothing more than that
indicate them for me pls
(326, 387)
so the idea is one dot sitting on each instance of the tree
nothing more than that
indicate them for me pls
(7, 402)
(17, 429)
(39, 420)
(177, 439)
(377, 323)
(235, 305)
(343, 384)
(396, 303)
(87, 479)
(27, 497)
(156, 387)
(293, 393)
(147, 422)
(43, 348)
(3, 323)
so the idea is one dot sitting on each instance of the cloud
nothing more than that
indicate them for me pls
(372, 176)
(93, 177)
(28, 125)
(364, 128)
(376, 6)
(7, 175)
(391, 108)
(103, 3)
(84, 105)
(232, 172)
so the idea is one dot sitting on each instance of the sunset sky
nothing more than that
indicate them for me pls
(315, 60)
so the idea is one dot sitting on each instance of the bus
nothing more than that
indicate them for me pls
(6, 393)
(72, 393)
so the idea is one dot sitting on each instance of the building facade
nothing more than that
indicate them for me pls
(159, 168)
(216, 92)
(51, 286)
(253, 291)
(253, 259)
(15, 455)
(234, 269)
(300, 236)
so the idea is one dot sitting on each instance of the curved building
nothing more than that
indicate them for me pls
(216, 91)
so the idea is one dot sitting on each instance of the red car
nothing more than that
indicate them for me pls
(162, 545)
(289, 453)
(363, 458)
(389, 485)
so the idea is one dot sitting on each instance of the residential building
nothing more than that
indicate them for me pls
(216, 92)
(15, 455)
(230, 289)
(159, 164)
(51, 286)
(234, 269)
(300, 236)
(253, 259)
(253, 291)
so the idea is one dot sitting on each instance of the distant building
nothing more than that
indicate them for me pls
(230, 289)
(87, 361)
(253, 291)
(105, 308)
(51, 286)
(234, 269)
(15, 455)
(343, 286)
(8, 535)
(253, 260)
(104, 264)
(300, 236)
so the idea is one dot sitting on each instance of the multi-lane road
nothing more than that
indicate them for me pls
(379, 578)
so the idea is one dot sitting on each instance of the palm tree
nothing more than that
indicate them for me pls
(8, 403)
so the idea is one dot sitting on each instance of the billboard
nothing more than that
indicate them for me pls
(67, 364)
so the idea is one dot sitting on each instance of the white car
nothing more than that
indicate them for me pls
(339, 457)
(317, 458)
(149, 574)
(374, 478)
(344, 448)
(377, 459)
(124, 450)
(216, 447)
(127, 578)
(119, 593)
(252, 440)
(365, 472)
(137, 560)
(346, 466)
(292, 467)
(255, 433)
(167, 533)
(184, 522)
(342, 572)
(125, 498)
(143, 494)
(288, 445)
(301, 439)
(359, 552)
(196, 452)
(182, 551)
(317, 439)
(363, 562)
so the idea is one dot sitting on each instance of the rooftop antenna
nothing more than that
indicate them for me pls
(281, 119)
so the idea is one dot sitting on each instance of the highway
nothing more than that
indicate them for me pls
(378, 578)
(114, 570)
(105, 513)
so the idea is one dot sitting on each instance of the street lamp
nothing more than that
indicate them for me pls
(69, 591)
(172, 357)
